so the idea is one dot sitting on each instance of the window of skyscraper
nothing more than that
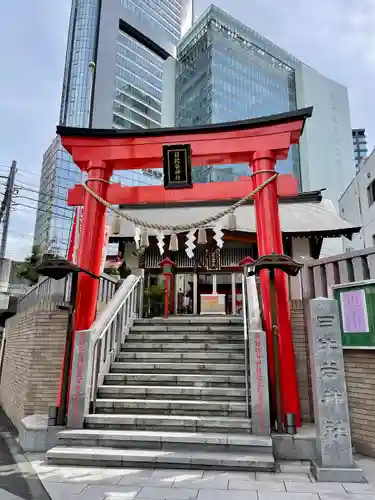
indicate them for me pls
(163, 15)
(139, 84)
(223, 76)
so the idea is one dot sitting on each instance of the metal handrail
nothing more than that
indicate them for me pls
(111, 328)
(246, 344)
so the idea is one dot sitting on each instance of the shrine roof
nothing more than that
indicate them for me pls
(264, 121)
(305, 215)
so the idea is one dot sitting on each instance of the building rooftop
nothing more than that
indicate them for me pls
(306, 214)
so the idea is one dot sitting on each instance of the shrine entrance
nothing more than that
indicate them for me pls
(192, 288)
(260, 142)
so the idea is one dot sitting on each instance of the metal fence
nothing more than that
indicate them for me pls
(58, 291)
(321, 275)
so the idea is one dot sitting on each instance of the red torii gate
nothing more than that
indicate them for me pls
(259, 142)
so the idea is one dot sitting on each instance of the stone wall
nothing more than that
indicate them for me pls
(301, 351)
(360, 380)
(32, 361)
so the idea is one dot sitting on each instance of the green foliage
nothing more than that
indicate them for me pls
(112, 271)
(154, 300)
(27, 269)
(155, 292)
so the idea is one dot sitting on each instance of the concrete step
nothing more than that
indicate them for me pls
(166, 392)
(171, 380)
(187, 328)
(112, 457)
(171, 407)
(169, 423)
(165, 440)
(191, 337)
(180, 357)
(132, 345)
(144, 367)
(185, 319)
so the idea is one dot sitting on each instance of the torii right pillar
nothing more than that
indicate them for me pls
(269, 238)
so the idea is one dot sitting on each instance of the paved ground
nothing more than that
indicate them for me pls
(18, 480)
(294, 483)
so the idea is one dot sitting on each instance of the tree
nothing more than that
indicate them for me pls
(27, 269)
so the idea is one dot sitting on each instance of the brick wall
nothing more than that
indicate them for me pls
(301, 352)
(33, 355)
(360, 380)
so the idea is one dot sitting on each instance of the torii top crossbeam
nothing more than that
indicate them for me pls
(259, 142)
(224, 143)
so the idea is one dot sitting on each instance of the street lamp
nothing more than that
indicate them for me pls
(167, 266)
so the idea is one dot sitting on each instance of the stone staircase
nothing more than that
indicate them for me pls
(175, 397)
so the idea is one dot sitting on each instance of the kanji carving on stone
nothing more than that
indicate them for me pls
(325, 321)
(327, 344)
(334, 431)
(332, 396)
(329, 369)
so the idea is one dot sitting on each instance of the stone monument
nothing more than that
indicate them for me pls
(259, 392)
(334, 447)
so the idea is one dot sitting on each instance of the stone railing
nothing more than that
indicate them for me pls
(59, 291)
(321, 275)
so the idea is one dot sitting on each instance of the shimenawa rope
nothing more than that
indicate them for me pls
(186, 227)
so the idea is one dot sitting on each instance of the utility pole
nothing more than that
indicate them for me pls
(6, 206)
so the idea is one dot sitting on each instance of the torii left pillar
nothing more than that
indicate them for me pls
(91, 244)
(90, 250)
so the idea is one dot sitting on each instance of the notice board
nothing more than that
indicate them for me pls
(357, 313)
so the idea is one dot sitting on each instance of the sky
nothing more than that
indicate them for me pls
(335, 37)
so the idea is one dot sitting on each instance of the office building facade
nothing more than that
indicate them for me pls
(357, 204)
(132, 44)
(359, 145)
(227, 71)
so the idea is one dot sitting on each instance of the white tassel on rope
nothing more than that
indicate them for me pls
(173, 244)
(190, 243)
(232, 223)
(202, 236)
(116, 224)
(160, 237)
(144, 238)
(218, 234)
(137, 236)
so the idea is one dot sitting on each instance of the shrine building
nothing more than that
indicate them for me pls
(215, 266)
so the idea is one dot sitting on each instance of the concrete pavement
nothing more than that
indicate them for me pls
(293, 483)
(18, 480)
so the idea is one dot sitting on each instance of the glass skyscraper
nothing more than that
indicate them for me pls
(132, 44)
(359, 146)
(228, 72)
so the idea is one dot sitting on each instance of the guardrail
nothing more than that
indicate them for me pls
(96, 348)
(112, 328)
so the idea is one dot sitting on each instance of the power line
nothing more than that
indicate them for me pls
(55, 216)
(6, 206)
(44, 203)
(41, 192)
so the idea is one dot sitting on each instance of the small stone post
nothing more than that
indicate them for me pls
(334, 447)
(260, 404)
(80, 382)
